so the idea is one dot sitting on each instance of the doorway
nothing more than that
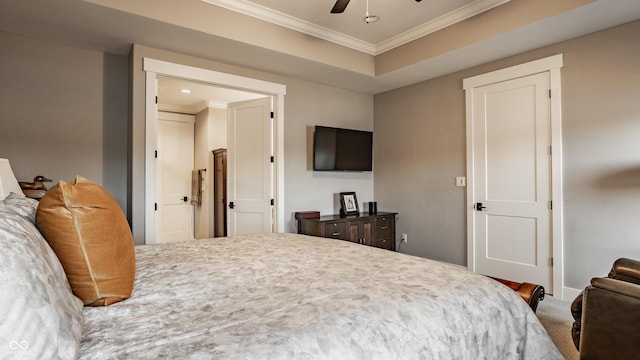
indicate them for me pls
(155, 68)
(208, 108)
(514, 187)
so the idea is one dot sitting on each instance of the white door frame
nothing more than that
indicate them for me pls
(154, 68)
(552, 65)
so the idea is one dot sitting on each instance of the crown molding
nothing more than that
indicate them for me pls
(439, 23)
(293, 23)
(180, 109)
(278, 18)
(192, 110)
(215, 104)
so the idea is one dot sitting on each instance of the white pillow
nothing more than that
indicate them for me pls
(40, 317)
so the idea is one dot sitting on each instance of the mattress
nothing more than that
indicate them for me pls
(290, 296)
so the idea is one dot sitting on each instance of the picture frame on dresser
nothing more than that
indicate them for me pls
(349, 203)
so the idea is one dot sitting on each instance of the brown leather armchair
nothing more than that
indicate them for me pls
(607, 314)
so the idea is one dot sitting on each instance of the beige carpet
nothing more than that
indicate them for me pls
(555, 316)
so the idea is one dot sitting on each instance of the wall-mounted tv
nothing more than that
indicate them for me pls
(337, 149)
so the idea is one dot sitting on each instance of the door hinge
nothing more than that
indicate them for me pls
(156, 99)
(156, 154)
(551, 205)
(549, 93)
(271, 114)
(273, 202)
(272, 158)
(155, 206)
(551, 261)
(550, 150)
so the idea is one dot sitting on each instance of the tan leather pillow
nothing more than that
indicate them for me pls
(90, 235)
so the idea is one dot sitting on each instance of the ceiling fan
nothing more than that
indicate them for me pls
(340, 5)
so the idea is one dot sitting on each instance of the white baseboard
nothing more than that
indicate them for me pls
(569, 294)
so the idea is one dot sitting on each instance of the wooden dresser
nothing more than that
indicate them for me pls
(377, 230)
(220, 192)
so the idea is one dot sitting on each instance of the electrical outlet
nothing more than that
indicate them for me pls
(404, 238)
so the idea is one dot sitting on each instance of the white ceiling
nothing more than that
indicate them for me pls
(400, 21)
(172, 96)
(86, 24)
(348, 29)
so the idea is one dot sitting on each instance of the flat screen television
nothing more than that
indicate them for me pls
(336, 149)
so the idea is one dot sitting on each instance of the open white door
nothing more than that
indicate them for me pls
(250, 167)
(174, 167)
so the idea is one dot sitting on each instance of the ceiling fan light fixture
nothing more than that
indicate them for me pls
(370, 18)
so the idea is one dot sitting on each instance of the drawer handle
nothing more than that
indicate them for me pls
(384, 227)
(335, 234)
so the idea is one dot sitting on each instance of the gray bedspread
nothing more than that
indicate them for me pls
(288, 296)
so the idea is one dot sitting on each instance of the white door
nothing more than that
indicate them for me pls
(512, 179)
(250, 167)
(174, 168)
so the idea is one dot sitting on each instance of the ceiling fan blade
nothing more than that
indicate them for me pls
(339, 6)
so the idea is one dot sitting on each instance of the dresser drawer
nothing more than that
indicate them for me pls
(384, 226)
(386, 243)
(335, 230)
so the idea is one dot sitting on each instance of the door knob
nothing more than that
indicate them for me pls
(480, 207)
(232, 205)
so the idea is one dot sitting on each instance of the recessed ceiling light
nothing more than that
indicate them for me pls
(185, 91)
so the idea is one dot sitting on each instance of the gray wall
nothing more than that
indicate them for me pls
(306, 189)
(420, 143)
(64, 112)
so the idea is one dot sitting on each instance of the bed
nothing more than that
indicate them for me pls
(290, 296)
